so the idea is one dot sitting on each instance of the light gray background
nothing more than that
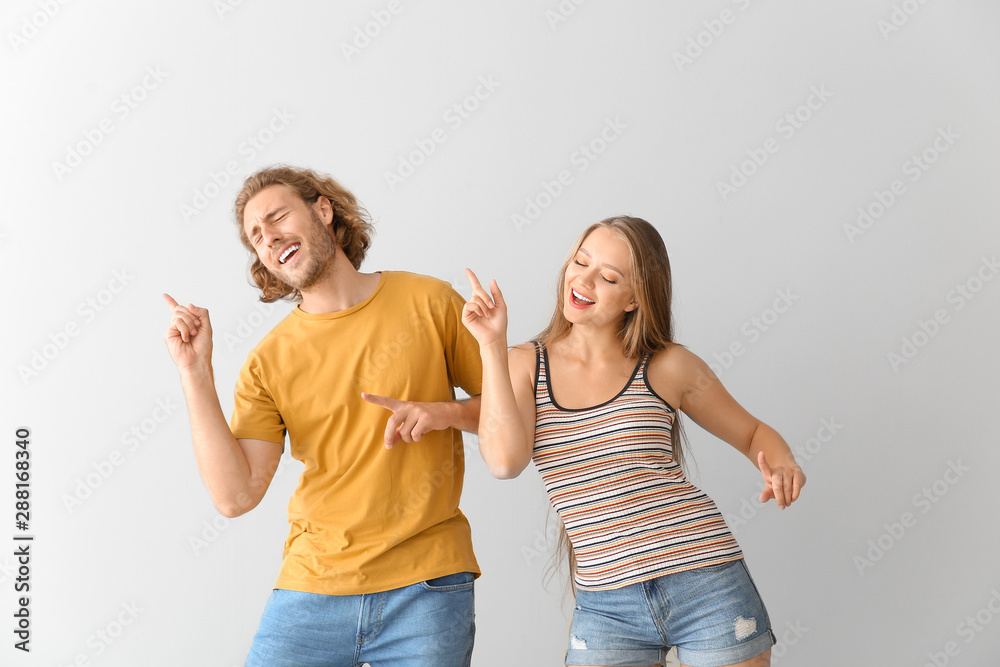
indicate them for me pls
(146, 546)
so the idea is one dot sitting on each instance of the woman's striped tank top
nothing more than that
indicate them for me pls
(609, 471)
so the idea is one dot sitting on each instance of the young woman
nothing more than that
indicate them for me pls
(594, 401)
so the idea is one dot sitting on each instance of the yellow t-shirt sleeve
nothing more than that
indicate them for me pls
(465, 367)
(254, 413)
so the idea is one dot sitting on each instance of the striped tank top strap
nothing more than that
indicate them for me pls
(639, 384)
(541, 374)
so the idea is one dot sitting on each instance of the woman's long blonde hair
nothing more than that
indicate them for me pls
(645, 330)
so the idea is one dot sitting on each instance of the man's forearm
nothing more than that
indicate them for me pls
(221, 461)
(465, 414)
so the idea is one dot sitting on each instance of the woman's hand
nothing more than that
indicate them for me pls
(485, 315)
(783, 482)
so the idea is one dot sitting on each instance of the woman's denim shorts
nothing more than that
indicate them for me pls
(713, 615)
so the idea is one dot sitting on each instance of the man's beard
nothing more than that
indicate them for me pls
(322, 251)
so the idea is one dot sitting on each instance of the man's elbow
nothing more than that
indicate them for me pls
(237, 506)
(230, 510)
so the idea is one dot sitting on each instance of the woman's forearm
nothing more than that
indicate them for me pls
(502, 439)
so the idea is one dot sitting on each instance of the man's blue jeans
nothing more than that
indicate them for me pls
(431, 623)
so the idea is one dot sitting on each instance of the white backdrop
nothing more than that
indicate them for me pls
(824, 176)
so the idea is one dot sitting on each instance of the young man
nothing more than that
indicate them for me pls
(378, 566)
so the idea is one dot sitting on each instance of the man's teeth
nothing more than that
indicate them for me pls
(288, 251)
(580, 297)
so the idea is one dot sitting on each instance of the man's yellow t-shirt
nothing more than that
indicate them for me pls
(365, 518)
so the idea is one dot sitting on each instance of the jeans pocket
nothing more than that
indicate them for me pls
(460, 581)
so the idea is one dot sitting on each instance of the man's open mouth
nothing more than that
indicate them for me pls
(289, 252)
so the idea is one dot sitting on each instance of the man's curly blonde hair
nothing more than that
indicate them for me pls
(352, 228)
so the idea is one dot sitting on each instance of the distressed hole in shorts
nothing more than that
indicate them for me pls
(577, 643)
(745, 627)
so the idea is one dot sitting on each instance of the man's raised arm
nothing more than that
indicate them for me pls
(236, 472)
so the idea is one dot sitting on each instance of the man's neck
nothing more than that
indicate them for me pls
(341, 288)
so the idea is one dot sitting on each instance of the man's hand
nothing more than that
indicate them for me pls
(189, 335)
(784, 483)
(411, 421)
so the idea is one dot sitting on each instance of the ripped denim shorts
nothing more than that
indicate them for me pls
(713, 615)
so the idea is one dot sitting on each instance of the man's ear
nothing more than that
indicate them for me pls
(324, 209)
